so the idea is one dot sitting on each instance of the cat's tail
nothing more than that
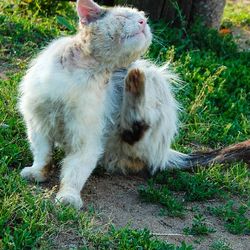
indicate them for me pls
(233, 153)
(187, 161)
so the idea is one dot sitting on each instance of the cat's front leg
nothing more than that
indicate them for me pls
(76, 169)
(41, 147)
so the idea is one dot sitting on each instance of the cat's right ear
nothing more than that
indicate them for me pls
(88, 11)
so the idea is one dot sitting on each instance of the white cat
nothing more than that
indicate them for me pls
(63, 94)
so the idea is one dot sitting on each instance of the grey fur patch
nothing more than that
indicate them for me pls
(51, 114)
(135, 128)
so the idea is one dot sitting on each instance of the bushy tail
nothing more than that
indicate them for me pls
(232, 153)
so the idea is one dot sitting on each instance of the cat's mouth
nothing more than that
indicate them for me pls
(138, 33)
(141, 32)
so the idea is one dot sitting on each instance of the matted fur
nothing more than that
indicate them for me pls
(63, 94)
(155, 106)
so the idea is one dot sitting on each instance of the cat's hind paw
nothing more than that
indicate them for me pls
(69, 198)
(135, 81)
(33, 174)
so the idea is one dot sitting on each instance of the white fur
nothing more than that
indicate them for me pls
(63, 94)
(158, 108)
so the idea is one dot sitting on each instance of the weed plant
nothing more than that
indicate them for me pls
(199, 227)
(235, 219)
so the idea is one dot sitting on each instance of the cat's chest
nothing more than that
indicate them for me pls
(87, 93)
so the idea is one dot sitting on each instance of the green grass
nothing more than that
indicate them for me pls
(215, 98)
(220, 245)
(198, 187)
(236, 14)
(160, 194)
(206, 184)
(235, 219)
(133, 239)
(27, 217)
(199, 227)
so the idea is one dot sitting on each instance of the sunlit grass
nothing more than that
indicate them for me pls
(237, 13)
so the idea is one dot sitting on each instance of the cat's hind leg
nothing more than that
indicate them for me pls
(135, 82)
(41, 147)
(133, 123)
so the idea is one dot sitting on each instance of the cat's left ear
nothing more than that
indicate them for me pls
(88, 11)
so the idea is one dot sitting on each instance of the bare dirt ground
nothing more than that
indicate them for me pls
(116, 200)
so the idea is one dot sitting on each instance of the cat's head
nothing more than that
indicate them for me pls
(117, 35)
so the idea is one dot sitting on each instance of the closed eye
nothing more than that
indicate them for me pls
(122, 16)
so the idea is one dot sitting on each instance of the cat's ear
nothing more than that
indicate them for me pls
(88, 11)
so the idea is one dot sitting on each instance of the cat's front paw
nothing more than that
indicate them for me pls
(135, 82)
(33, 174)
(69, 197)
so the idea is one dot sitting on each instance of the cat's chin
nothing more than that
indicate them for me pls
(143, 35)
(139, 43)
(142, 41)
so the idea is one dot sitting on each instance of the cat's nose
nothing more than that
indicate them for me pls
(142, 23)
